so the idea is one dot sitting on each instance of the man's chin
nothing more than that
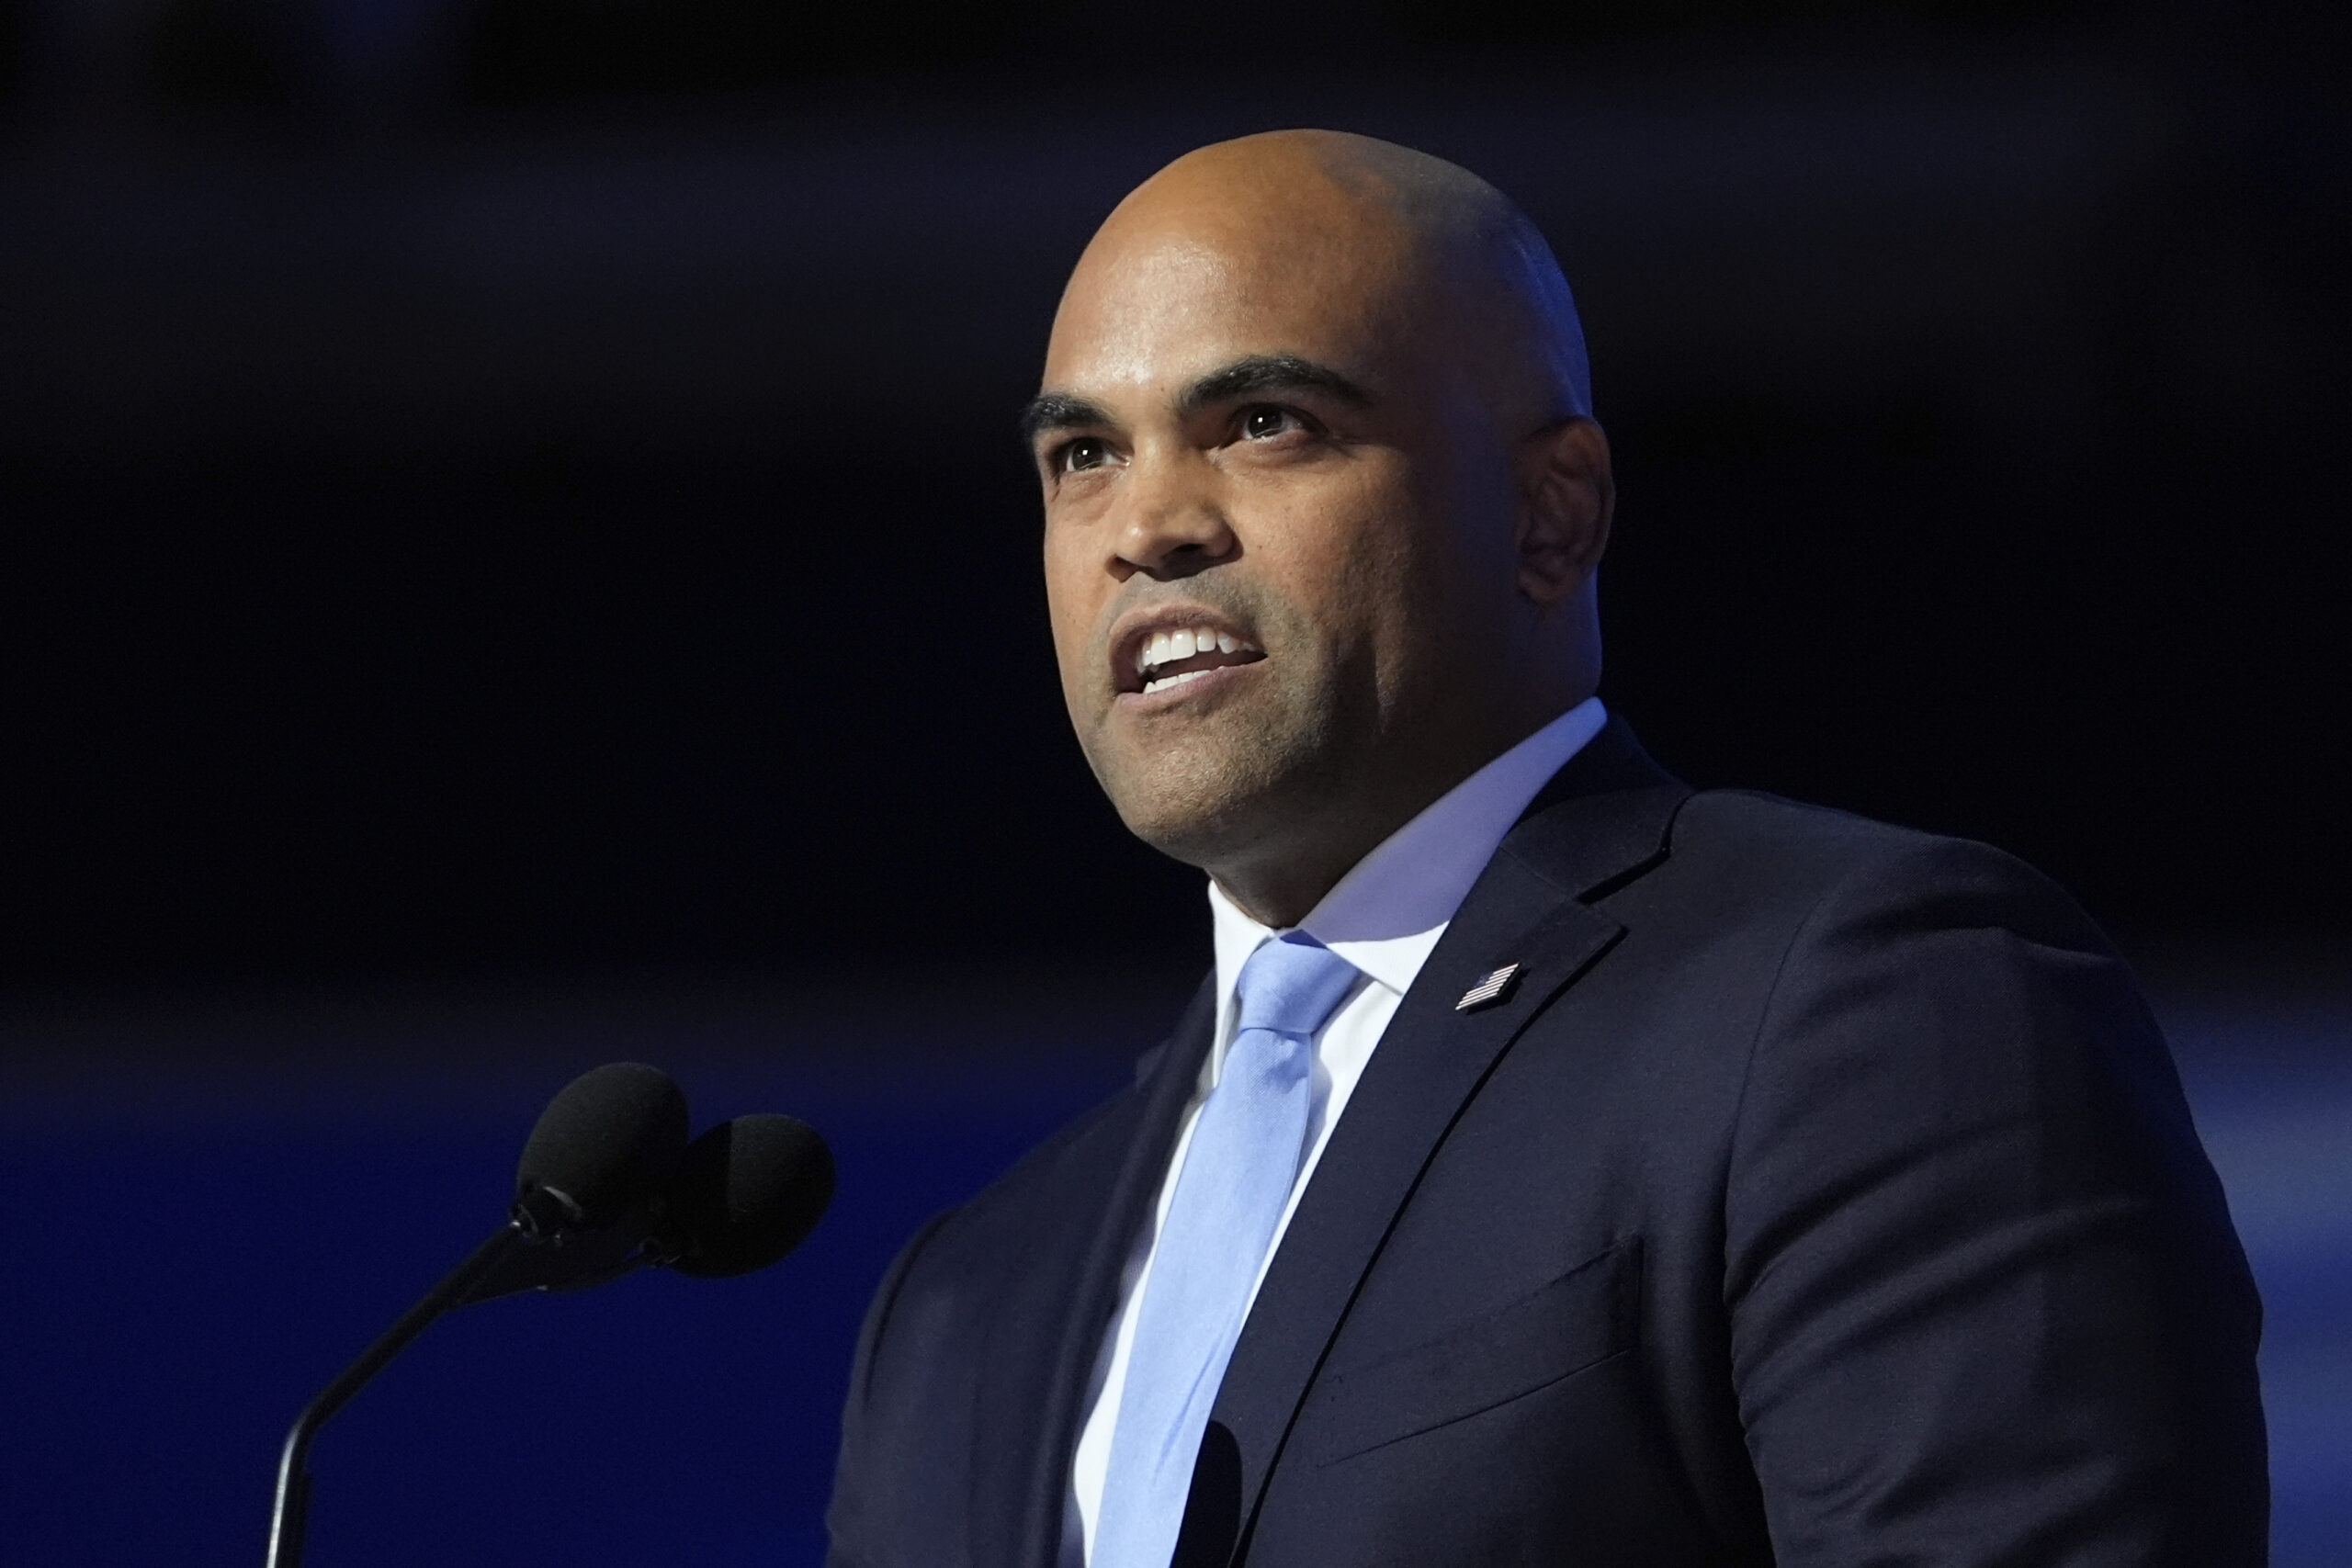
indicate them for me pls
(1188, 819)
(1197, 833)
(1211, 818)
(1219, 786)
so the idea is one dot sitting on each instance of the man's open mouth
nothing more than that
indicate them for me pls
(1171, 657)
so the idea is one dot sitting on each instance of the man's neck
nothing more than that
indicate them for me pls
(1281, 889)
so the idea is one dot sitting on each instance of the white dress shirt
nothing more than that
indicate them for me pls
(1383, 916)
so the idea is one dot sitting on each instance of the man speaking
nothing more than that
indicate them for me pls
(1559, 1166)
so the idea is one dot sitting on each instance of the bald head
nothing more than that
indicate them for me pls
(1324, 501)
(1404, 232)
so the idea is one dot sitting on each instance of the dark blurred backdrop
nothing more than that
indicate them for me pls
(530, 484)
(511, 532)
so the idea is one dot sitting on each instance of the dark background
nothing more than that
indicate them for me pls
(513, 551)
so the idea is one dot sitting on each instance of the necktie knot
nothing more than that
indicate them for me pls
(1291, 986)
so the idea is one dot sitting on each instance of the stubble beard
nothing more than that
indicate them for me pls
(1234, 785)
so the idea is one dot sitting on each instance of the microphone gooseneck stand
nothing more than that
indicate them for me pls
(608, 1185)
(535, 1249)
(287, 1518)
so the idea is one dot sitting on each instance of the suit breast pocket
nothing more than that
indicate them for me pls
(1576, 1320)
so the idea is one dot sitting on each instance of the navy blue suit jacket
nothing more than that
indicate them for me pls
(1820, 1193)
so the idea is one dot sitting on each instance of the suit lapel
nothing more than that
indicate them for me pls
(1599, 823)
(1032, 1385)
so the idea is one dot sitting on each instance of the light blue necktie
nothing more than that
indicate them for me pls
(1244, 1155)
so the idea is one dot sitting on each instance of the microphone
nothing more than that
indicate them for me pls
(607, 1184)
(608, 1142)
(588, 1192)
(747, 1192)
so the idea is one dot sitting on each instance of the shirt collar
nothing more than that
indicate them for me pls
(1386, 914)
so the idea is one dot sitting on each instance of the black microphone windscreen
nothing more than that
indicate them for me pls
(747, 1192)
(609, 1141)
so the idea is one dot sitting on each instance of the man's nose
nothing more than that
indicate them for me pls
(1173, 525)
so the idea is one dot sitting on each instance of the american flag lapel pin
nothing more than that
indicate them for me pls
(1493, 988)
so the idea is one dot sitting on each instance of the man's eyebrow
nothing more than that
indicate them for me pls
(1059, 411)
(1269, 373)
(1258, 373)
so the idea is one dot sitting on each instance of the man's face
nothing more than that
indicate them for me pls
(1277, 536)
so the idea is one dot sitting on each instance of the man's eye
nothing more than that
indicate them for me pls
(1086, 452)
(1262, 424)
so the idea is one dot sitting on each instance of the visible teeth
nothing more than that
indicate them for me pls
(1162, 649)
(1167, 681)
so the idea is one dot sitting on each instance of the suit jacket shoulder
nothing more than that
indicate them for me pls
(1967, 1276)
(1815, 1193)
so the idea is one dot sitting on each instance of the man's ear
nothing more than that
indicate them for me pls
(1565, 500)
